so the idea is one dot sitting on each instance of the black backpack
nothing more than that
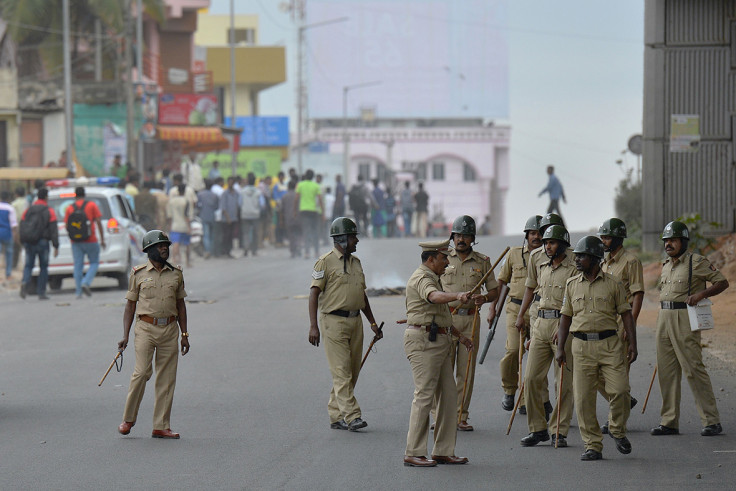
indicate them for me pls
(35, 223)
(77, 223)
(356, 199)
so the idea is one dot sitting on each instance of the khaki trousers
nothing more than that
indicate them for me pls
(509, 364)
(596, 361)
(460, 355)
(343, 340)
(678, 352)
(431, 368)
(625, 350)
(542, 352)
(163, 340)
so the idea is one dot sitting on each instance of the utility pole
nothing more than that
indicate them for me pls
(300, 102)
(139, 66)
(68, 102)
(234, 157)
(129, 94)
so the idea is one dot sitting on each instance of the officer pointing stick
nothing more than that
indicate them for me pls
(156, 294)
(338, 286)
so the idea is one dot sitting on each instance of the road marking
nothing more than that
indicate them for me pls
(724, 451)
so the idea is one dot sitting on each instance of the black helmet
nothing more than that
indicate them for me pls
(590, 244)
(532, 223)
(343, 226)
(154, 237)
(550, 219)
(675, 230)
(464, 225)
(613, 227)
(557, 232)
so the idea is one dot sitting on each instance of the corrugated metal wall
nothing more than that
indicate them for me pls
(690, 73)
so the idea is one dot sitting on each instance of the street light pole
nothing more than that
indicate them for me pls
(68, 103)
(233, 156)
(345, 139)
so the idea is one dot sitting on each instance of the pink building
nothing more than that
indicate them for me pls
(464, 164)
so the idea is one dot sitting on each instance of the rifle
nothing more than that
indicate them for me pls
(370, 346)
(492, 328)
(114, 363)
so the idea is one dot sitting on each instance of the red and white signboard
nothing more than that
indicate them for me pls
(188, 109)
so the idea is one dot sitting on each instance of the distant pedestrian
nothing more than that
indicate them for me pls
(389, 213)
(310, 207)
(338, 210)
(38, 228)
(84, 243)
(377, 213)
(554, 188)
(146, 206)
(277, 193)
(359, 200)
(208, 203)
(485, 228)
(214, 172)
(421, 202)
(180, 214)
(407, 207)
(291, 220)
(20, 205)
(230, 209)
(8, 231)
(250, 215)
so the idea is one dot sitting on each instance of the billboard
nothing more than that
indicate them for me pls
(188, 109)
(433, 58)
(262, 131)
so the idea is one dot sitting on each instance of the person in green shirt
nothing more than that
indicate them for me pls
(310, 208)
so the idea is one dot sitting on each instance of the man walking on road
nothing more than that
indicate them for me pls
(8, 231)
(593, 302)
(156, 295)
(338, 286)
(421, 201)
(683, 283)
(310, 207)
(40, 222)
(85, 246)
(554, 188)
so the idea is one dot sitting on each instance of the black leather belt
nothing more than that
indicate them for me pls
(440, 330)
(346, 313)
(594, 336)
(549, 314)
(537, 298)
(673, 305)
(515, 300)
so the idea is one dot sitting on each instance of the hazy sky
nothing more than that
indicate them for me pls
(575, 89)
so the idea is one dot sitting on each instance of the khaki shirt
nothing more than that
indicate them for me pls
(156, 292)
(673, 282)
(594, 307)
(626, 268)
(550, 282)
(419, 310)
(536, 259)
(462, 276)
(514, 271)
(341, 290)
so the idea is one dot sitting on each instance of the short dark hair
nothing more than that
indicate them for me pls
(251, 178)
(20, 191)
(178, 178)
(309, 174)
(292, 184)
(4, 195)
(43, 193)
(427, 254)
(79, 191)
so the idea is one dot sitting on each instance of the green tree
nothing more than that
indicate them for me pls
(627, 204)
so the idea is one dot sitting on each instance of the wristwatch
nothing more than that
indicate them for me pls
(185, 334)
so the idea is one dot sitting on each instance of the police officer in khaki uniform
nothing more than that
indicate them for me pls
(683, 283)
(550, 277)
(626, 268)
(593, 302)
(156, 294)
(428, 346)
(513, 273)
(466, 268)
(338, 286)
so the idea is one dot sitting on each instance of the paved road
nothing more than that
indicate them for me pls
(251, 399)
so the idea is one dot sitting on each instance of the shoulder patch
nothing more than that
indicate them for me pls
(137, 268)
(178, 266)
(483, 257)
(318, 275)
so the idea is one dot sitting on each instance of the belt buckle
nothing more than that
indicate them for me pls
(160, 321)
(353, 313)
(462, 311)
(593, 336)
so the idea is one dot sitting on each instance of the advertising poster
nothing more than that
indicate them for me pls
(188, 109)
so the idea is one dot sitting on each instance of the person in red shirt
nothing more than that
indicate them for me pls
(88, 247)
(40, 248)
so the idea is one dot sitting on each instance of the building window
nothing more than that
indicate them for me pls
(422, 172)
(438, 171)
(468, 172)
(243, 36)
(364, 170)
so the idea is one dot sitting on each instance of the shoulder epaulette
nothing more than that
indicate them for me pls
(138, 268)
(483, 257)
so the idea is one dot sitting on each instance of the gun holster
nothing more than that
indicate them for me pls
(433, 328)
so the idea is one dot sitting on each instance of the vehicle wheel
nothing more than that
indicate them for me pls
(55, 282)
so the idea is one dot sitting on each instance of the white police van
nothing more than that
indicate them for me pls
(123, 234)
